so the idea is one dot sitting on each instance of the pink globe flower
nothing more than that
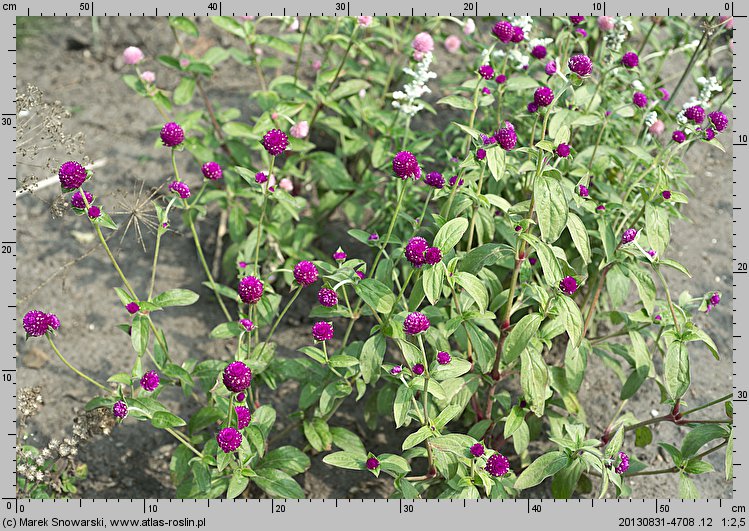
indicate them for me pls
(606, 23)
(452, 44)
(469, 26)
(364, 22)
(726, 21)
(148, 77)
(300, 129)
(423, 43)
(132, 55)
(286, 184)
(657, 128)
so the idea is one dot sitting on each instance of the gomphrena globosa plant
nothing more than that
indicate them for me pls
(494, 250)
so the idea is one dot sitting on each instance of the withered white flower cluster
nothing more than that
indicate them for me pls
(407, 100)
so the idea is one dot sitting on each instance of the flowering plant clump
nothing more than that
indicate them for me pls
(491, 256)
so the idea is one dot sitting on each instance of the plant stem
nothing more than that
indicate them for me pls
(278, 320)
(301, 47)
(712, 403)
(262, 215)
(159, 232)
(668, 296)
(594, 302)
(425, 401)
(674, 469)
(69, 366)
(184, 441)
(475, 209)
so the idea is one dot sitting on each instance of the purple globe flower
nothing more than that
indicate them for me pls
(504, 31)
(94, 212)
(435, 180)
(583, 191)
(532, 108)
(563, 150)
(477, 450)
(629, 236)
(539, 52)
(640, 99)
(415, 323)
(35, 323)
(486, 91)
(250, 289)
(119, 409)
(580, 64)
(172, 134)
(237, 376)
(416, 249)
(248, 325)
(240, 397)
(623, 465)
(500, 79)
(543, 96)
(581, 32)
(719, 120)
(433, 255)
(305, 273)
(418, 369)
(665, 95)
(630, 60)
(395, 371)
(443, 358)
(651, 253)
(374, 236)
(405, 165)
(228, 439)
(150, 381)
(339, 255)
(577, 20)
(486, 71)
(666, 194)
(72, 175)
(678, 137)
(506, 137)
(76, 201)
(601, 208)
(372, 463)
(261, 178)
(53, 320)
(275, 142)
(709, 133)
(212, 171)
(244, 416)
(497, 465)
(715, 299)
(454, 179)
(550, 68)
(180, 188)
(327, 297)
(517, 34)
(322, 331)
(361, 275)
(568, 285)
(695, 113)
(480, 153)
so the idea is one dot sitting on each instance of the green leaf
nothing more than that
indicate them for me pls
(227, 330)
(608, 239)
(376, 294)
(534, 379)
(318, 434)
(676, 369)
(495, 159)
(551, 207)
(139, 334)
(286, 458)
(643, 436)
(184, 25)
(700, 436)
(515, 418)
(573, 318)
(675, 265)
(484, 255)
(371, 358)
(164, 419)
(394, 464)
(348, 460)
(729, 457)
(687, 488)
(450, 234)
(175, 297)
(229, 24)
(328, 169)
(402, 405)
(184, 91)
(99, 401)
(520, 335)
(432, 280)
(457, 102)
(348, 88)
(657, 226)
(457, 367)
(615, 444)
(447, 414)
(645, 287)
(483, 346)
(579, 235)
(417, 437)
(549, 262)
(237, 484)
(698, 467)
(564, 482)
(347, 441)
(475, 288)
(543, 467)
(205, 417)
(278, 484)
